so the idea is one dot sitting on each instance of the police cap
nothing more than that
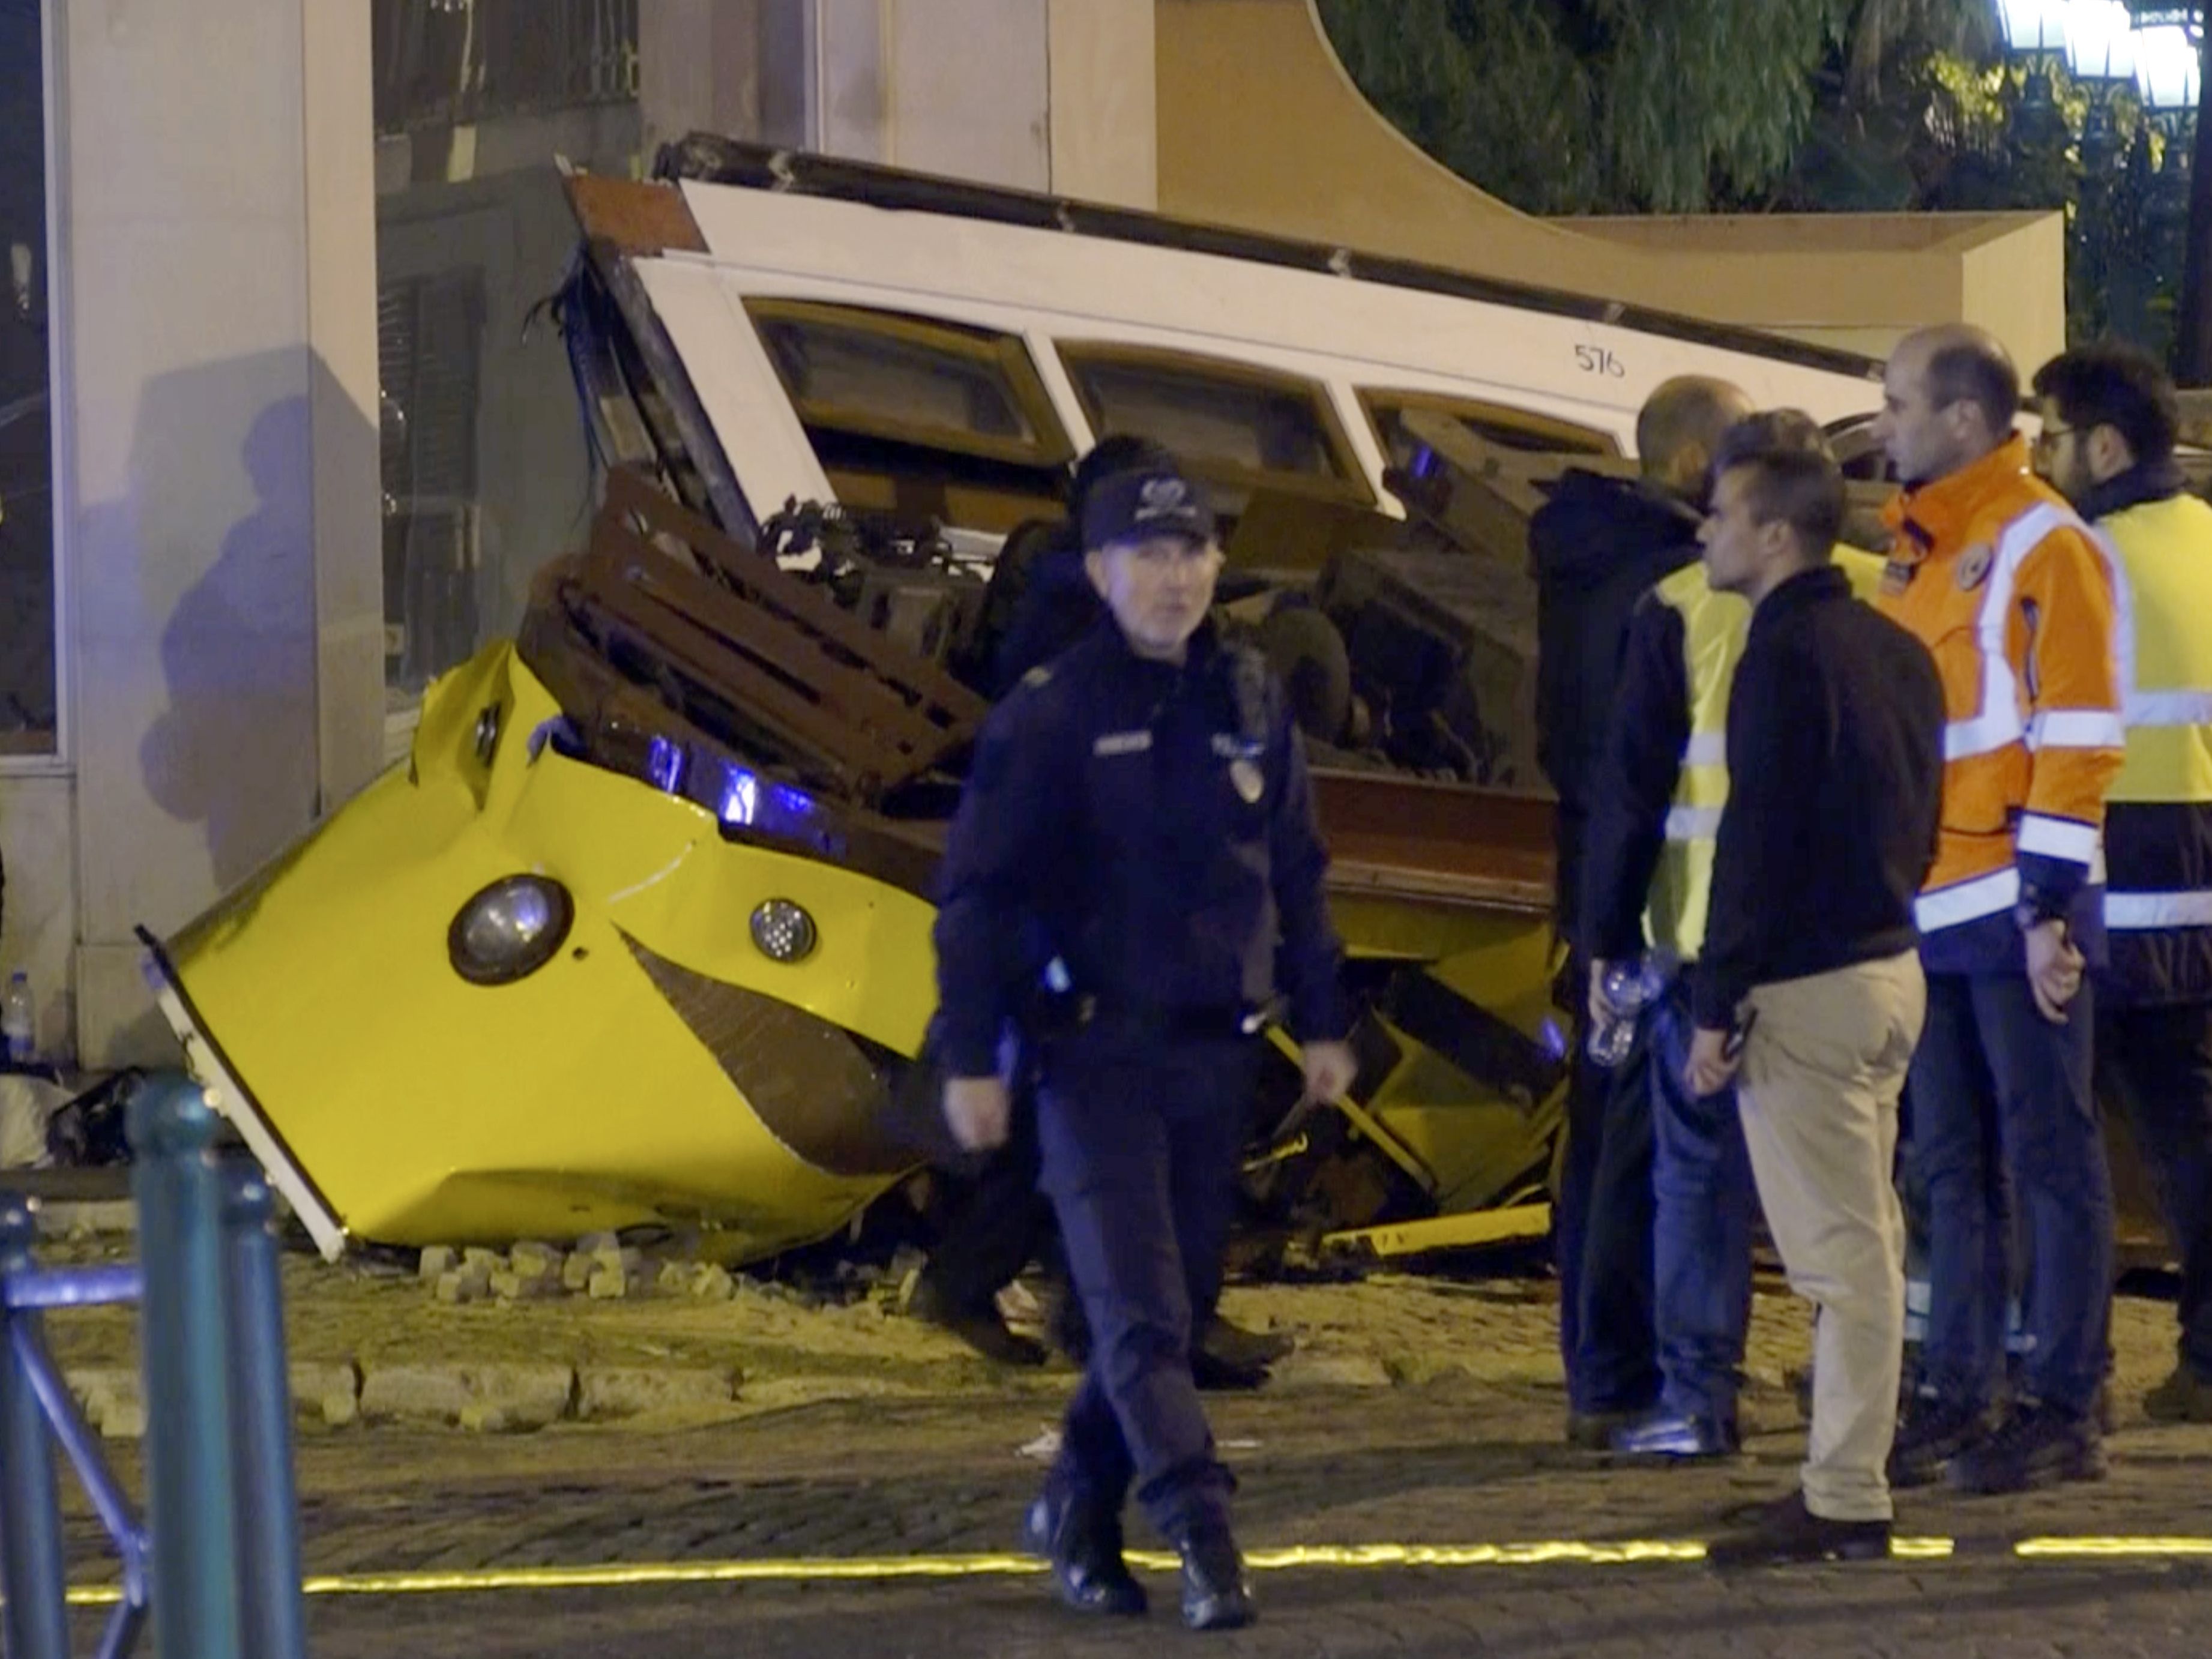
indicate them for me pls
(1146, 501)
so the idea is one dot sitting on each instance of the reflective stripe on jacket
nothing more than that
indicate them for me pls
(1714, 628)
(2024, 609)
(2159, 826)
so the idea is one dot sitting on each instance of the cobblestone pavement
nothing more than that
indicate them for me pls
(1408, 1451)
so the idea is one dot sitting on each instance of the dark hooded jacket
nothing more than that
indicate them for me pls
(1595, 546)
(1057, 608)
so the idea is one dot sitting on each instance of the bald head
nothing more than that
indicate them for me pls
(1679, 430)
(1948, 397)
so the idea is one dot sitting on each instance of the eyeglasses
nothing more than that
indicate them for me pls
(2049, 437)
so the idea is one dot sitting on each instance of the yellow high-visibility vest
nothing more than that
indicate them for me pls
(1714, 628)
(2166, 650)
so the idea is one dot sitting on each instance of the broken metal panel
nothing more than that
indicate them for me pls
(425, 1109)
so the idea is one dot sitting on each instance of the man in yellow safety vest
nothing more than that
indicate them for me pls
(2107, 443)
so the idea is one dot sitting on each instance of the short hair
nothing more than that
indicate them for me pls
(1792, 475)
(1686, 409)
(1970, 367)
(2115, 384)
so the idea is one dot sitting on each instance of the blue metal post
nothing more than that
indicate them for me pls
(31, 1567)
(191, 1501)
(261, 1419)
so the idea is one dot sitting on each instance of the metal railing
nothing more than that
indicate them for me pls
(217, 1562)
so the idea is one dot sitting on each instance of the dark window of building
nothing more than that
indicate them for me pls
(442, 63)
(429, 335)
(28, 722)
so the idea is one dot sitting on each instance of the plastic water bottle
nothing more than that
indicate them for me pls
(19, 1020)
(1629, 986)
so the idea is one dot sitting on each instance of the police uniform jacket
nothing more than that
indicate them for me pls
(1148, 829)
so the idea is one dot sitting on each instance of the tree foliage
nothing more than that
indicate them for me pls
(1594, 105)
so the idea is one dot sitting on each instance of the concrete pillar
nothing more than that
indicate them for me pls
(219, 520)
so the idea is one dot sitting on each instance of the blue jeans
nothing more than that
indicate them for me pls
(1997, 1090)
(1702, 1188)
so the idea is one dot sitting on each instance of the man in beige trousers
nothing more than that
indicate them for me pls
(1808, 994)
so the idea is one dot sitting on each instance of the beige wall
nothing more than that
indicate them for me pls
(1260, 127)
(1105, 127)
(218, 526)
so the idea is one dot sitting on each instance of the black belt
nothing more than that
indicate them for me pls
(1061, 1016)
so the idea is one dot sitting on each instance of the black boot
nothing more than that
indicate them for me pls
(1084, 1548)
(979, 1327)
(1214, 1595)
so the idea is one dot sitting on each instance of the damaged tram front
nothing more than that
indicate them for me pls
(639, 932)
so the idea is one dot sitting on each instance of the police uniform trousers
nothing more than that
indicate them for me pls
(1140, 1137)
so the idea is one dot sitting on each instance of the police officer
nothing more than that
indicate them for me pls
(1141, 804)
(2109, 419)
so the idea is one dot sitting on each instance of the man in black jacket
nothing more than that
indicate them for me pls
(1596, 546)
(1808, 994)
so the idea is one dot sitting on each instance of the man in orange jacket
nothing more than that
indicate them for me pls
(2019, 604)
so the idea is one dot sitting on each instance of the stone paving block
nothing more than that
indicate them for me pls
(576, 1270)
(330, 1395)
(87, 1218)
(607, 1285)
(532, 1260)
(593, 1244)
(438, 1261)
(458, 1287)
(477, 1259)
(604, 1393)
(713, 1283)
(111, 1398)
(531, 1396)
(519, 1287)
(1305, 1369)
(617, 1259)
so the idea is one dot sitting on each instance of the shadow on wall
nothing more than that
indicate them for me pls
(235, 749)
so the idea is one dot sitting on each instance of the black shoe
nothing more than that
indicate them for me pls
(1931, 1432)
(1084, 1548)
(1215, 1375)
(1214, 1597)
(1777, 1534)
(2035, 1446)
(1240, 1349)
(980, 1328)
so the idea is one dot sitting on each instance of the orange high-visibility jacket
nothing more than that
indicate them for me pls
(2021, 606)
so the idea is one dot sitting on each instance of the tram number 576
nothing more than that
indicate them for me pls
(1598, 360)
